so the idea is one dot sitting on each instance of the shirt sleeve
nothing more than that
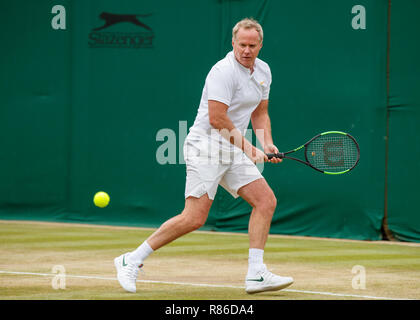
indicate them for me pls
(220, 85)
(266, 86)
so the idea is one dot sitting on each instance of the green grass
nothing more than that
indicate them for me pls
(317, 265)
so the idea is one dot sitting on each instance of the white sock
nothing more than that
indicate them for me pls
(255, 260)
(140, 254)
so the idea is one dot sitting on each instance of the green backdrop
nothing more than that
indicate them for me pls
(403, 112)
(80, 110)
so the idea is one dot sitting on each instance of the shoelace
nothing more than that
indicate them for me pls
(267, 275)
(132, 271)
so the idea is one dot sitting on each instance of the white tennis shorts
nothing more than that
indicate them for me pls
(209, 166)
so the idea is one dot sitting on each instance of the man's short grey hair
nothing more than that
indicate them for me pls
(248, 23)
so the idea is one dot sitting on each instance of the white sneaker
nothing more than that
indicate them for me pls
(126, 273)
(264, 280)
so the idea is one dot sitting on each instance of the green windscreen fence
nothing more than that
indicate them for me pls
(100, 97)
(403, 212)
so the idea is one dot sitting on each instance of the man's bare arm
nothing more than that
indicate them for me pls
(261, 124)
(219, 120)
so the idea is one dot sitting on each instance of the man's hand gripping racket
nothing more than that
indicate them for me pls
(272, 149)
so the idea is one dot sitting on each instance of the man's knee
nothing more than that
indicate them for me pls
(195, 222)
(196, 211)
(267, 204)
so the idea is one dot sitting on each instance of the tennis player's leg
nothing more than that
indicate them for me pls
(245, 180)
(202, 179)
(263, 202)
(192, 217)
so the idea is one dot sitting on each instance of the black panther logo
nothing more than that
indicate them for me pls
(112, 18)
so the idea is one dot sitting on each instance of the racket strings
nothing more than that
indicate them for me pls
(332, 152)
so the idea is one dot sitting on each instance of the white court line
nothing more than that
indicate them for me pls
(202, 285)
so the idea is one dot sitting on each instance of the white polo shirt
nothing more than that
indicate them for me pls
(233, 84)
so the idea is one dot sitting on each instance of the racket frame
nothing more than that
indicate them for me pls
(284, 155)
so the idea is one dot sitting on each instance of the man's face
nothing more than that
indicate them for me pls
(246, 46)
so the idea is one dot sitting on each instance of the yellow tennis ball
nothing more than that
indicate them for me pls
(101, 199)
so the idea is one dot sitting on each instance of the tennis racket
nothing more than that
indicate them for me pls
(332, 152)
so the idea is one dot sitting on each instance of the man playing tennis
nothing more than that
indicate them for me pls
(216, 152)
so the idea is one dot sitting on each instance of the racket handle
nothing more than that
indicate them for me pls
(275, 155)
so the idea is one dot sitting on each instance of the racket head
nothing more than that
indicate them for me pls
(332, 152)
